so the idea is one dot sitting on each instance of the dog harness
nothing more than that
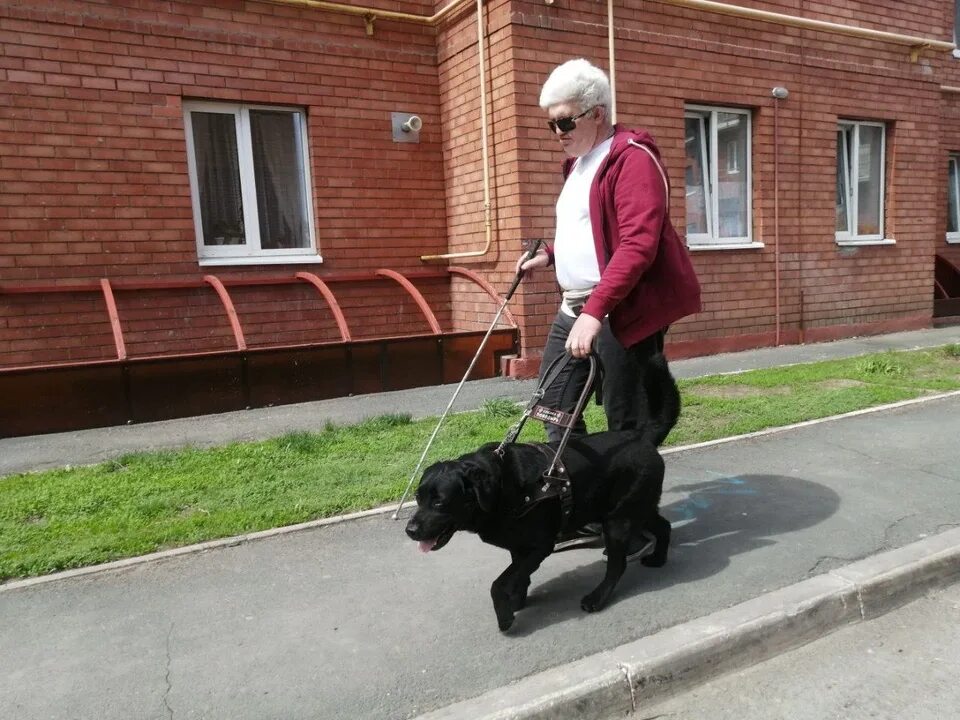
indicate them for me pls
(550, 485)
(555, 481)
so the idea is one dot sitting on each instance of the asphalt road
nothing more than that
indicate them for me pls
(348, 621)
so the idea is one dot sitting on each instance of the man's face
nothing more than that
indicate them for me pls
(583, 137)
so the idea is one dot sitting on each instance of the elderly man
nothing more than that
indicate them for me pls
(624, 272)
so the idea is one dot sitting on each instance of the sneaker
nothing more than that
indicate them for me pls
(639, 547)
(590, 535)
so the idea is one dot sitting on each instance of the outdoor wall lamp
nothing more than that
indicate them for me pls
(406, 127)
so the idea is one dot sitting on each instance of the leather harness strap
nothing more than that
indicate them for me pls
(554, 482)
(549, 486)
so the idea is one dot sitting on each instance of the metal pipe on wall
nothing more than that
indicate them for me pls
(361, 11)
(613, 66)
(776, 214)
(916, 43)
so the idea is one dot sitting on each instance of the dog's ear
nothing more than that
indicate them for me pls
(484, 484)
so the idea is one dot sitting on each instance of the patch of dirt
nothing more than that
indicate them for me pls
(840, 384)
(737, 391)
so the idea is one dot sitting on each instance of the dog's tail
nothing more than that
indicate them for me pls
(663, 399)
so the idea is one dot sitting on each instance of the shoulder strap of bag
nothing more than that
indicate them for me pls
(663, 175)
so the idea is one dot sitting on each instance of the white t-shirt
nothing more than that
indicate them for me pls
(575, 256)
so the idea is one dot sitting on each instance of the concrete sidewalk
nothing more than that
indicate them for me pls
(778, 538)
(901, 665)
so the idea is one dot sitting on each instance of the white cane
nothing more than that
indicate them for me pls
(496, 319)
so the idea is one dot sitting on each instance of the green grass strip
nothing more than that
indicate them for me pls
(144, 502)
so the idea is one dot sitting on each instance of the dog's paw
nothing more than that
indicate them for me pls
(653, 561)
(594, 601)
(518, 601)
(503, 607)
(505, 620)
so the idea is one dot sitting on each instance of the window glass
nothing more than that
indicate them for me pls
(953, 206)
(250, 183)
(843, 188)
(218, 175)
(732, 185)
(870, 150)
(860, 179)
(718, 179)
(279, 179)
(695, 171)
(956, 20)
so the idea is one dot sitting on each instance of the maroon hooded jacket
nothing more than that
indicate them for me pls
(647, 280)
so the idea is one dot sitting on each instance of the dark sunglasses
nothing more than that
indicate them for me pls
(566, 124)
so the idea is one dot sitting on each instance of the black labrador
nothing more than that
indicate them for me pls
(616, 477)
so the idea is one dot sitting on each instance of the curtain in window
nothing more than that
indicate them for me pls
(278, 172)
(843, 187)
(218, 176)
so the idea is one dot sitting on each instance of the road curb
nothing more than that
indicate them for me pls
(616, 682)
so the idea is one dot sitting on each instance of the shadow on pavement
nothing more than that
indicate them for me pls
(715, 521)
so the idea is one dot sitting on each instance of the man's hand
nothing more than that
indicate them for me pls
(540, 260)
(582, 335)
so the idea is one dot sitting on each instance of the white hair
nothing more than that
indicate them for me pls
(576, 81)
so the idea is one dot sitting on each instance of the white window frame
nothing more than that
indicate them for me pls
(711, 240)
(251, 252)
(851, 171)
(953, 166)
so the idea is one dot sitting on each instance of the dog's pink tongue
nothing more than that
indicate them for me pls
(427, 545)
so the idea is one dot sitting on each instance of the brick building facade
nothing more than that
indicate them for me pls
(811, 217)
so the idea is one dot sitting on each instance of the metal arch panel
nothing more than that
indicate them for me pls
(214, 281)
(470, 275)
(114, 318)
(331, 301)
(416, 295)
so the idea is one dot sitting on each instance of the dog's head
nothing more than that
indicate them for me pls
(453, 495)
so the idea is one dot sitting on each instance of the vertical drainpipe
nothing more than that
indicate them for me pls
(779, 95)
(613, 66)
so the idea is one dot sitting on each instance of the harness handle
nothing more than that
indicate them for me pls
(581, 402)
(557, 417)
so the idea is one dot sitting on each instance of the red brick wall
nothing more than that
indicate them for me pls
(667, 57)
(459, 71)
(94, 179)
(94, 167)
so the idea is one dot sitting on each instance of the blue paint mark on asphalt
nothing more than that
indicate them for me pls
(686, 510)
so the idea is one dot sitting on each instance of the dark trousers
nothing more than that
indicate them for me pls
(624, 401)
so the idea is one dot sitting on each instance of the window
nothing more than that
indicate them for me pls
(860, 169)
(956, 26)
(717, 142)
(250, 183)
(953, 199)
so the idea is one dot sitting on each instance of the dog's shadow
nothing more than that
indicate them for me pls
(712, 522)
